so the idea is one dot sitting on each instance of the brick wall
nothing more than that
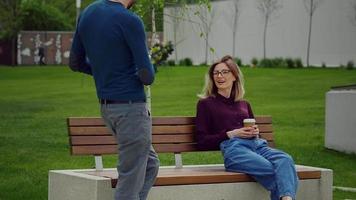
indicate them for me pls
(56, 47)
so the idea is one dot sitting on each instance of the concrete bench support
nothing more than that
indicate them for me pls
(75, 185)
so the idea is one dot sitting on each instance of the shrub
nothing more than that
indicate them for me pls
(238, 61)
(39, 16)
(254, 62)
(278, 62)
(186, 62)
(265, 62)
(350, 65)
(290, 63)
(298, 63)
(171, 62)
(203, 64)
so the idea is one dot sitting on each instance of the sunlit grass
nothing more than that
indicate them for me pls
(35, 102)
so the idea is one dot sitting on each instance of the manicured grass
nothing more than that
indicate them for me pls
(35, 101)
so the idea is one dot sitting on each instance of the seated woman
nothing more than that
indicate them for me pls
(219, 124)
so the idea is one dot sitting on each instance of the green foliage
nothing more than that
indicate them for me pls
(160, 52)
(278, 62)
(265, 62)
(238, 62)
(39, 16)
(290, 63)
(68, 7)
(144, 8)
(171, 63)
(203, 64)
(254, 62)
(298, 63)
(350, 65)
(10, 21)
(186, 62)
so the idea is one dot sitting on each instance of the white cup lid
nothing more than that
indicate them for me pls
(249, 120)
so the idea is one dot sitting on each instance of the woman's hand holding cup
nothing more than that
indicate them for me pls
(251, 123)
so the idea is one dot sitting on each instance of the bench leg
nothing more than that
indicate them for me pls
(99, 163)
(178, 160)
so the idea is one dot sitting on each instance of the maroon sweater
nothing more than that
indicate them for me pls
(217, 115)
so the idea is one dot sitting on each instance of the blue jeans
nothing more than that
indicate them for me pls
(138, 162)
(272, 168)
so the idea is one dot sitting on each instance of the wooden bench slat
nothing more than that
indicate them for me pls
(176, 148)
(85, 121)
(186, 138)
(94, 150)
(97, 121)
(93, 140)
(107, 140)
(263, 119)
(180, 129)
(99, 130)
(183, 129)
(112, 149)
(173, 120)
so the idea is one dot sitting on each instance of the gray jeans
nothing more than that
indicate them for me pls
(138, 163)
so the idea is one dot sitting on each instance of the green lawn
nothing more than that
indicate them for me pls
(35, 102)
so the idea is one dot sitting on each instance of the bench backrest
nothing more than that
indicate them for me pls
(89, 136)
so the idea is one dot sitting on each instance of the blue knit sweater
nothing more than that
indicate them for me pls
(110, 44)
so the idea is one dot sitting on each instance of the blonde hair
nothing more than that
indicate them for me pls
(210, 88)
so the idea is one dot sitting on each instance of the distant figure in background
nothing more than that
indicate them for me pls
(41, 54)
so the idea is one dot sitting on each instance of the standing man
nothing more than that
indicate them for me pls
(110, 44)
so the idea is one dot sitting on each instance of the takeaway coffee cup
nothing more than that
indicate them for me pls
(249, 122)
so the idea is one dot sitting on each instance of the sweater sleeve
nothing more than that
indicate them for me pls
(77, 58)
(206, 139)
(136, 39)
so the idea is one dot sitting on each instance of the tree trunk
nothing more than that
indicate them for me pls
(175, 24)
(264, 37)
(153, 37)
(234, 36)
(310, 31)
(14, 51)
(153, 21)
(206, 47)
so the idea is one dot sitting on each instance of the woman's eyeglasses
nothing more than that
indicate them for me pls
(223, 72)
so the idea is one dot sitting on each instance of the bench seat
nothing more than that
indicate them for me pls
(204, 174)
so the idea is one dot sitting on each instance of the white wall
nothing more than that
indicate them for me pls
(333, 35)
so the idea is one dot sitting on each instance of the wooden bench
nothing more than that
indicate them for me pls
(89, 136)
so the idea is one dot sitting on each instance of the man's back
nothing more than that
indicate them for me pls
(113, 39)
